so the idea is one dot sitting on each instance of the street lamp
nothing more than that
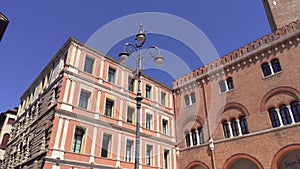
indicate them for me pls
(130, 49)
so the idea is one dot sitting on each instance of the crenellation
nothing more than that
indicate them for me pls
(253, 46)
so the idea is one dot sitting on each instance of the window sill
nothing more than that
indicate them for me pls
(271, 75)
(227, 91)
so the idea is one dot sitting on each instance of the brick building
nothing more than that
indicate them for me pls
(80, 113)
(242, 110)
(6, 121)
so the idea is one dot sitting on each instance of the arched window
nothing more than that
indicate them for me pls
(201, 135)
(194, 137)
(230, 83)
(276, 65)
(187, 140)
(296, 111)
(285, 115)
(274, 117)
(226, 129)
(234, 127)
(4, 141)
(243, 124)
(266, 69)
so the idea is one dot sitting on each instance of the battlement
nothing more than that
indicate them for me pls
(230, 57)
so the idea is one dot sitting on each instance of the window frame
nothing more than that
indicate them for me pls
(276, 65)
(148, 90)
(111, 108)
(131, 150)
(165, 127)
(109, 146)
(111, 77)
(81, 102)
(150, 122)
(163, 96)
(132, 114)
(273, 115)
(130, 85)
(75, 140)
(89, 68)
(149, 158)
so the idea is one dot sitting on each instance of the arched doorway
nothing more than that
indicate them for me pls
(243, 163)
(291, 160)
(197, 167)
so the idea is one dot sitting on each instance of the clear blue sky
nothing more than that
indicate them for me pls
(37, 30)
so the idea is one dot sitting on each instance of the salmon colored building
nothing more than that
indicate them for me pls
(80, 113)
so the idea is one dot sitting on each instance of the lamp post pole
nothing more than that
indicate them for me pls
(138, 99)
(129, 50)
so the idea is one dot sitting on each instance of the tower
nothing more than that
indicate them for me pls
(281, 12)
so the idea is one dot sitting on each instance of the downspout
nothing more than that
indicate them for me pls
(211, 142)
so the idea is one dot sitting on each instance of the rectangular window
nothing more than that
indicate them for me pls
(201, 135)
(187, 100)
(148, 92)
(166, 159)
(111, 75)
(163, 98)
(129, 151)
(84, 99)
(149, 155)
(109, 104)
(77, 140)
(149, 121)
(130, 114)
(165, 126)
(106, 145)
(130, 84)
(193, 98)
(88, 65)
(222, 85)
(226, 130)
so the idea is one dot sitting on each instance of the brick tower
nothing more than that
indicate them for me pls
(281, 12)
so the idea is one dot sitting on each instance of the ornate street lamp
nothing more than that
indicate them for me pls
(135, 50)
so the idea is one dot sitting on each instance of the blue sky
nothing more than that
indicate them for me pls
(38, 29)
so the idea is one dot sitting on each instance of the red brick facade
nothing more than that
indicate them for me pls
(248, 100)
